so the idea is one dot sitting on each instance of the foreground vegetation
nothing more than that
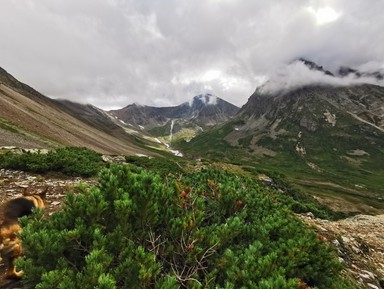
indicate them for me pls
(141, 229)
(154, 224)
(74, 161)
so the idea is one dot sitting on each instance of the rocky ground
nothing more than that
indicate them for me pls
(359, 241)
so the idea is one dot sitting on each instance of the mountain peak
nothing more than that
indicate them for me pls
(314, 66)
(348, 71)
(206, 99)
(302, 72)
(202, 110)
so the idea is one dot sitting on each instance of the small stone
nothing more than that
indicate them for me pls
(310, 215)
(345, 239)
(24, 186)
(336, 243)
(365, 276)
(322, 229)
(356, 250)
(55, 203)
(340, 253)
(370, 274)
(372, 286)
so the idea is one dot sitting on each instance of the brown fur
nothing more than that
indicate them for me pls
(10, 244)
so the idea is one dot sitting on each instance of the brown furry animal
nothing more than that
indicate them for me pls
(10, 244)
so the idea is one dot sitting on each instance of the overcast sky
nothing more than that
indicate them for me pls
(111, 53)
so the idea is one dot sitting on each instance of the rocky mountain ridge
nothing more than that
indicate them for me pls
(354, 115)
(344, 71)
(363, 102)
(31, 120)
(347, 71)
(204, 110)
(314, 66)
(185, 120)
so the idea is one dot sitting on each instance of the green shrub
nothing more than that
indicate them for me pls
(161, 165)
(73, 161)
(137, 229)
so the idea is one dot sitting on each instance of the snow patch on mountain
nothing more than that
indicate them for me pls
(212, 100)
(171, 131)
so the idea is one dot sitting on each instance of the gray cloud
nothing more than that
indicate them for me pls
(113, 52)
(297, 74)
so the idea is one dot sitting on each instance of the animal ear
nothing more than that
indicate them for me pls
(25, 193)
(43, 193)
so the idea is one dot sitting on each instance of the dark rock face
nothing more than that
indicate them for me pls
(318, 126)
(364, 102)
(313, 66)
(347, 71)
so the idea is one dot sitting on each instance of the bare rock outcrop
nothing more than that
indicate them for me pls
(359, 242)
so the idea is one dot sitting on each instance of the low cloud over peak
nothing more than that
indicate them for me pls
(304, 72)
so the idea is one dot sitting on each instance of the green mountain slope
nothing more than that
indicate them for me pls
(331, 138)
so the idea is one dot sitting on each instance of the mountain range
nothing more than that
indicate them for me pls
(30, 119)
(325, 138)
(184, 120)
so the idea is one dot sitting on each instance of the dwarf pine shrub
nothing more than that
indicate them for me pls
(211, 229)
(73, 161)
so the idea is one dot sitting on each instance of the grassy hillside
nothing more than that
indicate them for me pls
(343, 161)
